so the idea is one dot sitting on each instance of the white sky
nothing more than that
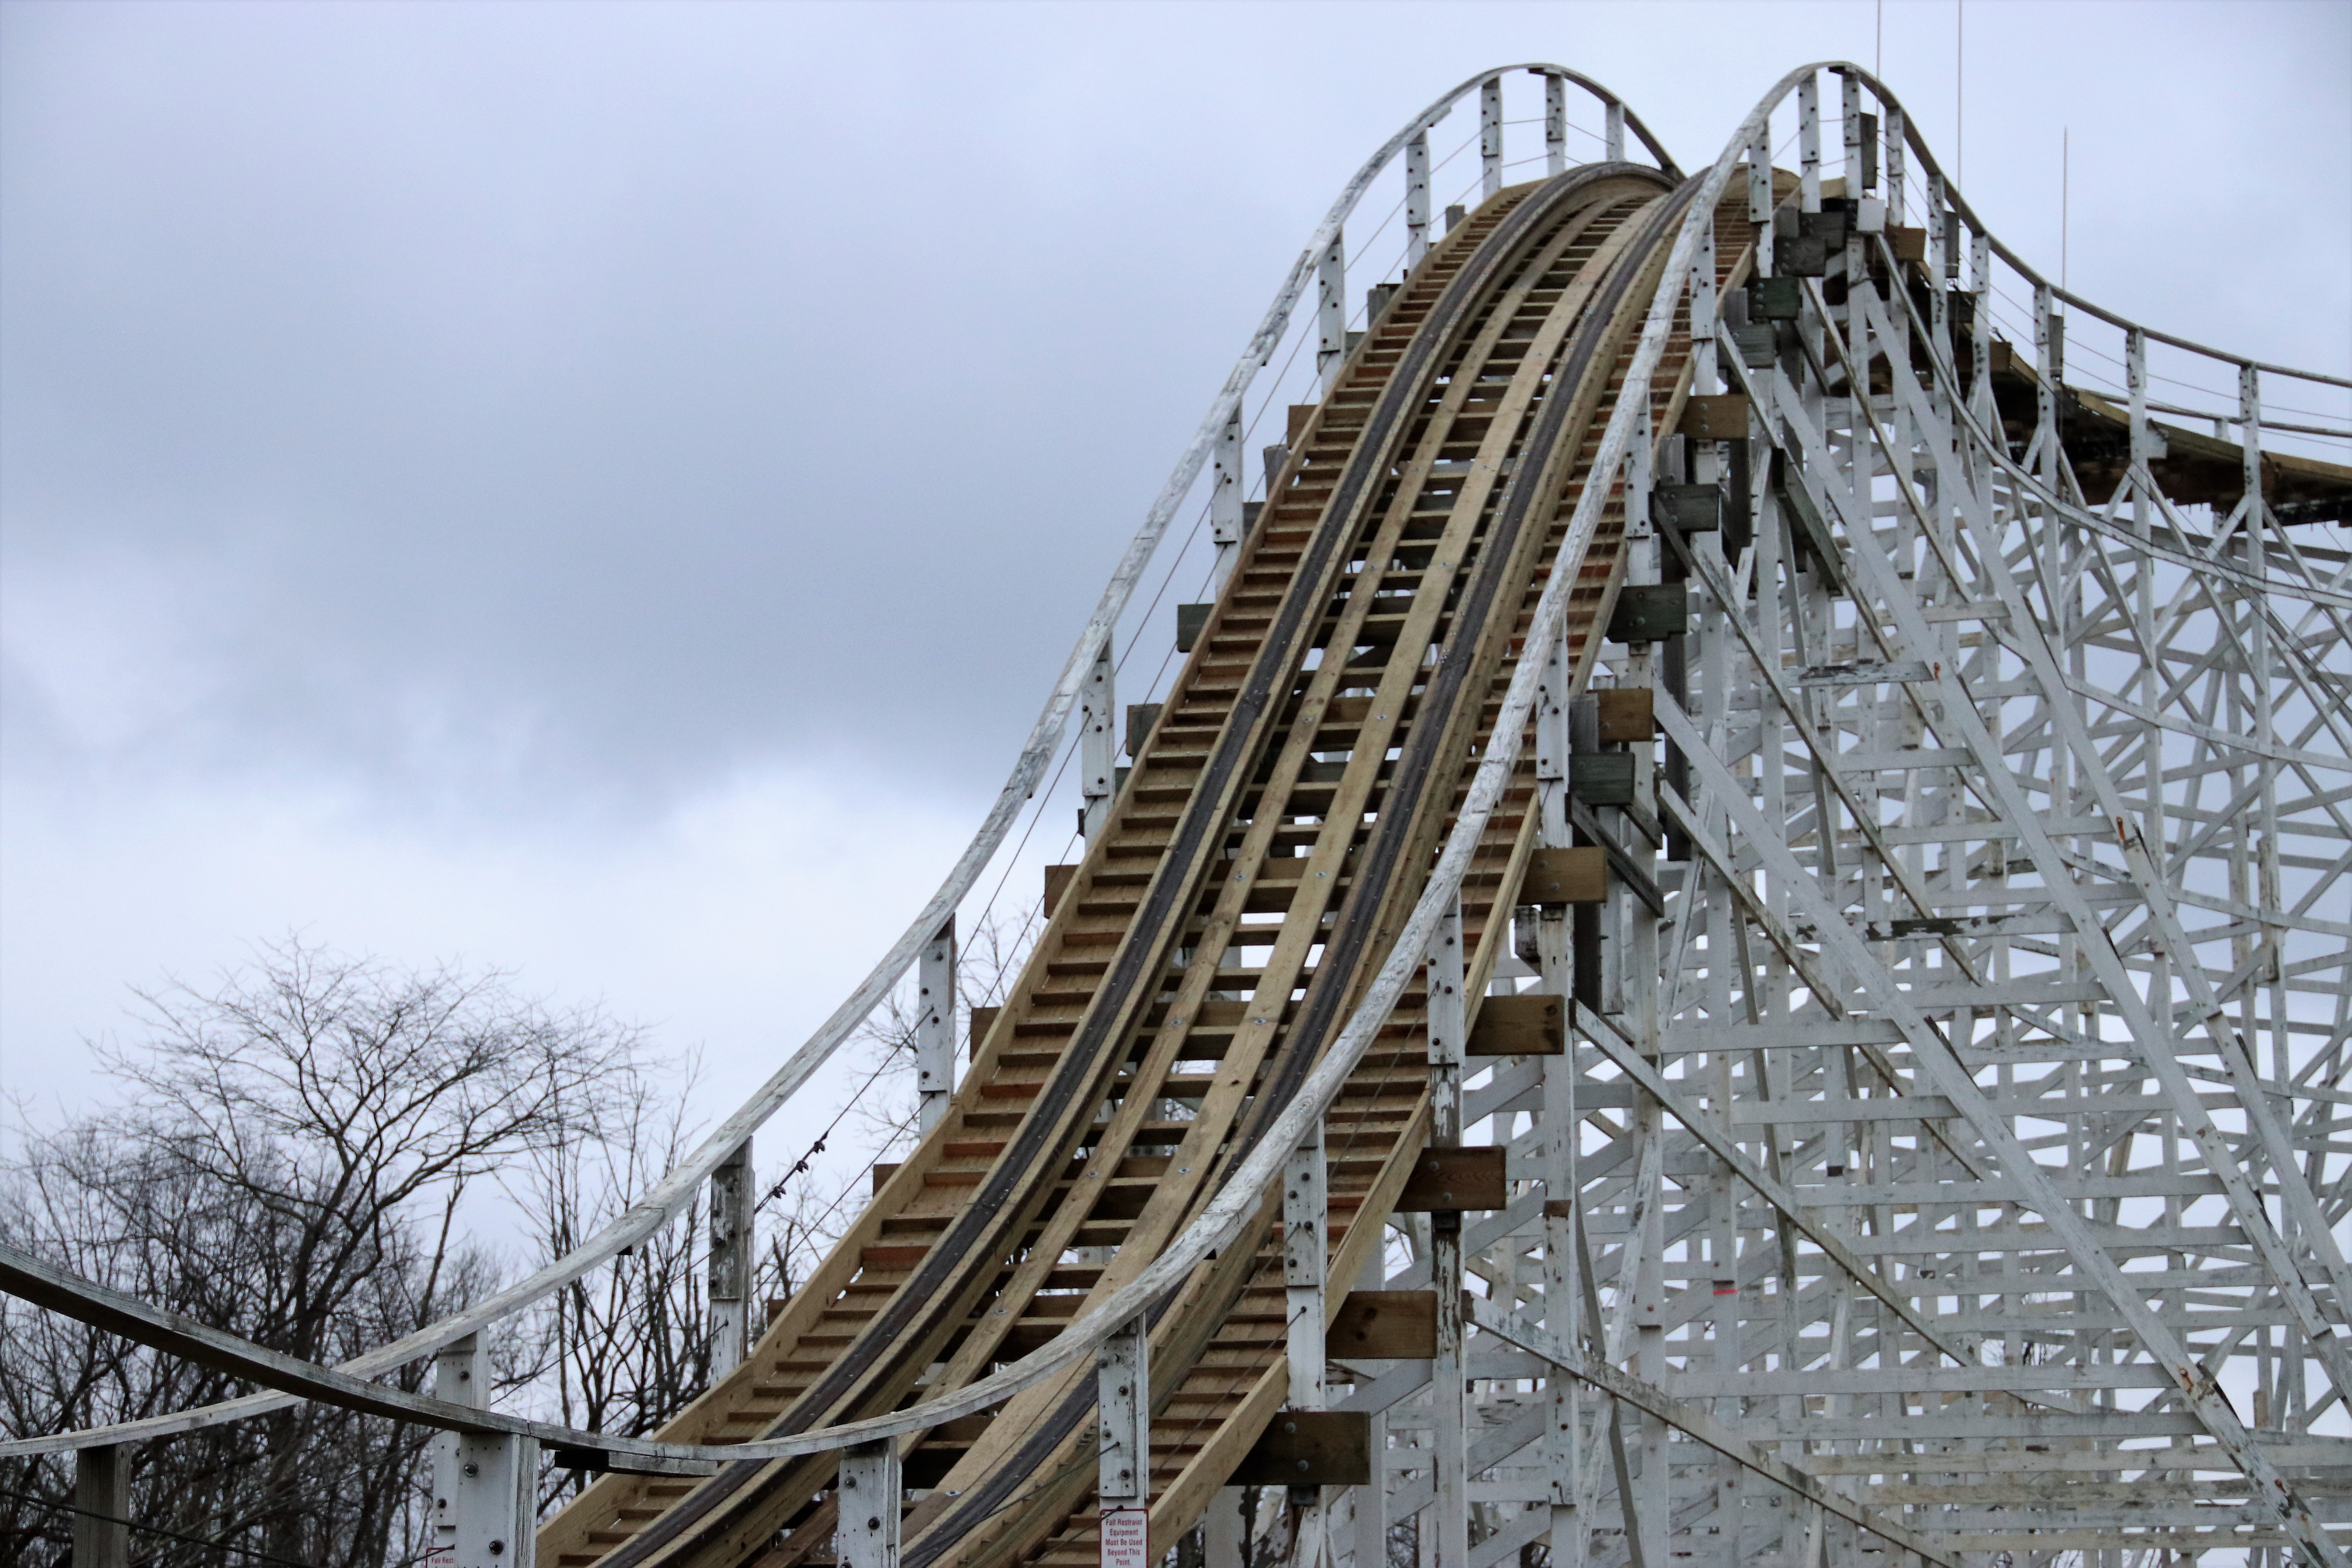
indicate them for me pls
(603, 491)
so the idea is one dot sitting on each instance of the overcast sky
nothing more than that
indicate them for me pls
(603, 489)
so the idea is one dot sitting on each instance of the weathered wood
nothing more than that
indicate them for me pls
(1649, 611)
(1566, 875)
(1530, 1025)
(1714, 416)
(1140, 718)
(1627, 714)
(983, 1020)
(1602, 778)
(1057, 882)
(1447, 1181)
(1384, 1325)
(1310, 1449)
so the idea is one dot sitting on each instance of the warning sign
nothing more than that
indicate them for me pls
(1126, 1538)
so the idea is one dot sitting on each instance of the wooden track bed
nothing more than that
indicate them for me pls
(1090, 1157)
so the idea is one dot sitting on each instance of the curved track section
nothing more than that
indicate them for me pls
(1253, 871)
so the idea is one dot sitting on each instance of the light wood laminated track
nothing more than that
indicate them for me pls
(1276, 830)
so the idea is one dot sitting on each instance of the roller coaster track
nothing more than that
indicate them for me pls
(1860, 822)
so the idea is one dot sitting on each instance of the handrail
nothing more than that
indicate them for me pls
(661, 1203)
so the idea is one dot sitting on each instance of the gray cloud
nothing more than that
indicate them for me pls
(478, 418)
(504, 401)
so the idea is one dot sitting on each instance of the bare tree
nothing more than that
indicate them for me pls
(290, 1165)
(628, 1347)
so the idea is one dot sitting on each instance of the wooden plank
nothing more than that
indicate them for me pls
(1057, 882)
(1300, 413)
(1530, 1025)
(1716, 416)
(1384, 1325)
(1446, 1180)
(1909, 244)
(1310, 1449)
(983, 1019)
(1627, 714)
(1570, 876)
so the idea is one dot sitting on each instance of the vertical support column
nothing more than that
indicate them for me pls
(1980, 329)
(1416, 198)
(1552, 749)
(1305, 1226)
(1641, 474)
(102, 1532)
(1759, 185)
(935, 1028)
(1808, 143)
(1897, 167)
(2250, 443)
(1221, 1530)
(1448, 1032)
(1331, 312)
(1490, 137)
(1227, 486)
(867, 1533)
(1564, 1285)
(1702, 327)
(494, 1500)
(2142, 446)
(732, 1223)
(1939, 245)
(457, 1379)
(485, 1484)
(1123, 1401)
(1369, 1525)
(1613, 131)
(1563, 1430)
(1306, 1240)
(1857, 155)
(1098, 743)
(1555, 125)
(2048, 358)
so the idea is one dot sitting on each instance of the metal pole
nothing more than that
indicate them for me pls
(731, 1226)
(935, 1027)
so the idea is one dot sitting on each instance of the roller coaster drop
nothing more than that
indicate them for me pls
(1734, 945)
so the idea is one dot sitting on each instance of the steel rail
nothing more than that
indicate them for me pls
(662, 1202)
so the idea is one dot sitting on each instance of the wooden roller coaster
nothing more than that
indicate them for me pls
(1854, 820)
